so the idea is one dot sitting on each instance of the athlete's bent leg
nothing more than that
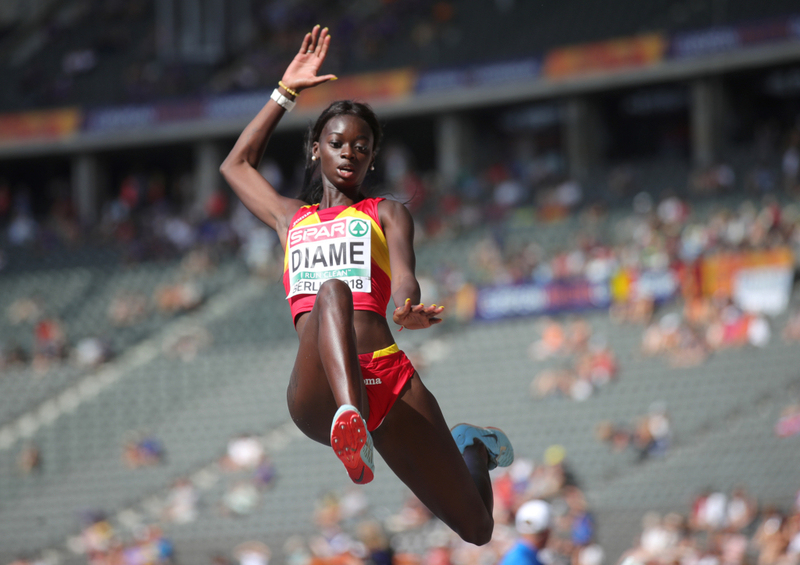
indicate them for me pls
(416, 443)
(326, 372)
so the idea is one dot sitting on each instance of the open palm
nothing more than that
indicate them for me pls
(302, 71)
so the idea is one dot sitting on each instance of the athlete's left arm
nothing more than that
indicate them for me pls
(398, 227)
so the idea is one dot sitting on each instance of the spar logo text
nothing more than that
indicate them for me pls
(318, 233)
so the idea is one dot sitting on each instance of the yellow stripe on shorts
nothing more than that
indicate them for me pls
(386, 351)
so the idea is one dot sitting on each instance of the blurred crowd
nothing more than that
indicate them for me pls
(721, 528)
(43, 340)
(585, 361)
(232, 487)
(350, 533)
(647, 436)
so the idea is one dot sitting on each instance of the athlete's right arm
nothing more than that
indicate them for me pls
(240, 167)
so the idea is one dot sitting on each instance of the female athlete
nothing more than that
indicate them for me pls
(346, 254)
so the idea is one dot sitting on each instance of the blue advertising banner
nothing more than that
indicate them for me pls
(506, 72)
(120, 118)
(729, 38)
(529, 299)
(704, 42)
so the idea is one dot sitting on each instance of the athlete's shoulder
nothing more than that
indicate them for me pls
(367, 205)
(391, 211)
(392, 206)
(302, 213)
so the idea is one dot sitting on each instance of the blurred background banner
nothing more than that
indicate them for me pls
(377, 87)
(607, 56)
(552, 298)
(40, 125)
(720, 271)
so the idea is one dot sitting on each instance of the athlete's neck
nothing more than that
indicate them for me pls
(332, 196)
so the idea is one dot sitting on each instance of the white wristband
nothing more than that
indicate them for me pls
(282, 101)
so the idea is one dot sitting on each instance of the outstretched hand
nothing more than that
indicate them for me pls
(417, 317)
(302, 71)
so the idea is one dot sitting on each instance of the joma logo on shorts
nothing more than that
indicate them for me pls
(372, 382)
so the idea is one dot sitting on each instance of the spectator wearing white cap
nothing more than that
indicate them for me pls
(533, 522)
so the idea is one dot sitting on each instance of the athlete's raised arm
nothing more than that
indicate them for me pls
(240, 167)
(399, 229)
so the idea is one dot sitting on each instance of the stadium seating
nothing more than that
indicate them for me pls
(721, 412)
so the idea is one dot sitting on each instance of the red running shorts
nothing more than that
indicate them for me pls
(385, 373)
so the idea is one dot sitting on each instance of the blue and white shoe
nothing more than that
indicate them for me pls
(501, 454)
(352, 444)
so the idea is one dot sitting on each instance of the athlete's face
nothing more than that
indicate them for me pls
(345, 151)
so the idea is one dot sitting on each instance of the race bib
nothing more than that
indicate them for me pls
(338, 249)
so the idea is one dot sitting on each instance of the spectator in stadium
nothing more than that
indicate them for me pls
(371, 534)
(5, 202)
(240, 499)
(181, 503)
(791, 331)
(244, 451)
(23, 229)
(581, 521)
(770, 537)
(413, 514)
(336, 323)
(252, 553)
(91, 352)
(533, 522)
(142, 450)
(178, 297)
(790, 164)
(649, 435)
(27, 309)
(187, 342)
(742, 510)
(265, 473)
(127, 309)
(29, 460)
(13, 355)
(551, 343)
(50, 343)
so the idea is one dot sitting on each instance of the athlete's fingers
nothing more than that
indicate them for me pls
(304, 45)
(326, 41)
(325, 78)
(309, 43)
(321, 42)
(315, 36)
(433, 310)
(403, 311)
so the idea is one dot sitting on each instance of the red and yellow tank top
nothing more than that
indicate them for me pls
(343, 242)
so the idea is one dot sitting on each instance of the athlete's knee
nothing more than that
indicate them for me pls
(335, 290)
(478, 531)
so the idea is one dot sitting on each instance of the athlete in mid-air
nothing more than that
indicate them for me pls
(345, 256)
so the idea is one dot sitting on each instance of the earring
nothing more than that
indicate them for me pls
(313, 157)
(372, 168)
